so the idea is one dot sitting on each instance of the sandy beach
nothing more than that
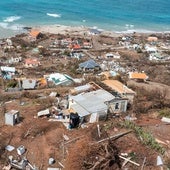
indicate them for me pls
(62, 29)
(73, 30)
(82, 30)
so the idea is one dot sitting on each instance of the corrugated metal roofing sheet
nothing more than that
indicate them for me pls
(8, 69)
(93, 101)
(80, 110)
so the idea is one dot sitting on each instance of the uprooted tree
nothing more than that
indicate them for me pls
(93, 157)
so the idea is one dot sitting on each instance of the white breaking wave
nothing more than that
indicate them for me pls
(12, 18)
(94, 27)
(129, 26)
(54, 15)
(4, 25)
(14, 27)
(130, 31)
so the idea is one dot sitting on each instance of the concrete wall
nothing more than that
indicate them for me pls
(118, 106)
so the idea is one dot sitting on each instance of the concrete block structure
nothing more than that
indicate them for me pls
(12, 117)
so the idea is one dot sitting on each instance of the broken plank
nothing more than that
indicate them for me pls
(143, 163)
(72, 140)
(98, 130)
(129, 161)
(126, 161)
(114, 137)
(61, 164)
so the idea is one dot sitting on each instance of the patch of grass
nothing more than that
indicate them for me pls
(164, 113)
(132, 155)
(108, 126)
(12, 83)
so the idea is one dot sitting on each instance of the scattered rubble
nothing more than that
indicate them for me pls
(71, 105)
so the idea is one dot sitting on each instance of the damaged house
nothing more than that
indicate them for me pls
(89, 65)
(95, 101)
(31, 62)
(35, 34)
(140, 77)
(7, 72)
(120, 89)
(60, 79)
(28, 84)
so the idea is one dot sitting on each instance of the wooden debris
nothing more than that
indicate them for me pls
(98, 130)
(6, 167)
(106, 156)
(161, 142)
(129, 161)
(72, 140)
(97, 163)
(27, 133)
(143, 163)
(61, 164)
(114, 137)
(65, 137)
(126, 161)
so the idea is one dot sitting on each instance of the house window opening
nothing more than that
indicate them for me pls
(116, 106)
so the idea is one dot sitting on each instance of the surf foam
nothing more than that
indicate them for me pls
(4, 25)
(54, 15)
(12, 18)
(14, 27)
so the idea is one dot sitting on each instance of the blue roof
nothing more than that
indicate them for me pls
(90, 64)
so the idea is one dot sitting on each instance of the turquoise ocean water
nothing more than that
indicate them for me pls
(113, 15)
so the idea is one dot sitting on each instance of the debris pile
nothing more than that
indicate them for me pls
(102, 156)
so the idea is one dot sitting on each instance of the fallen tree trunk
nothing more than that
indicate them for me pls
(114, 137)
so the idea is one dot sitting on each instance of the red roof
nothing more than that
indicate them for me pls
(31, 61)
(76, 46)
(34, 33)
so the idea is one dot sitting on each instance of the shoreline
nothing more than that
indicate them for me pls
(76, 30)
(81, 30)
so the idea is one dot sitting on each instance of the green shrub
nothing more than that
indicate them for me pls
(12, 84)
(164, 113)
